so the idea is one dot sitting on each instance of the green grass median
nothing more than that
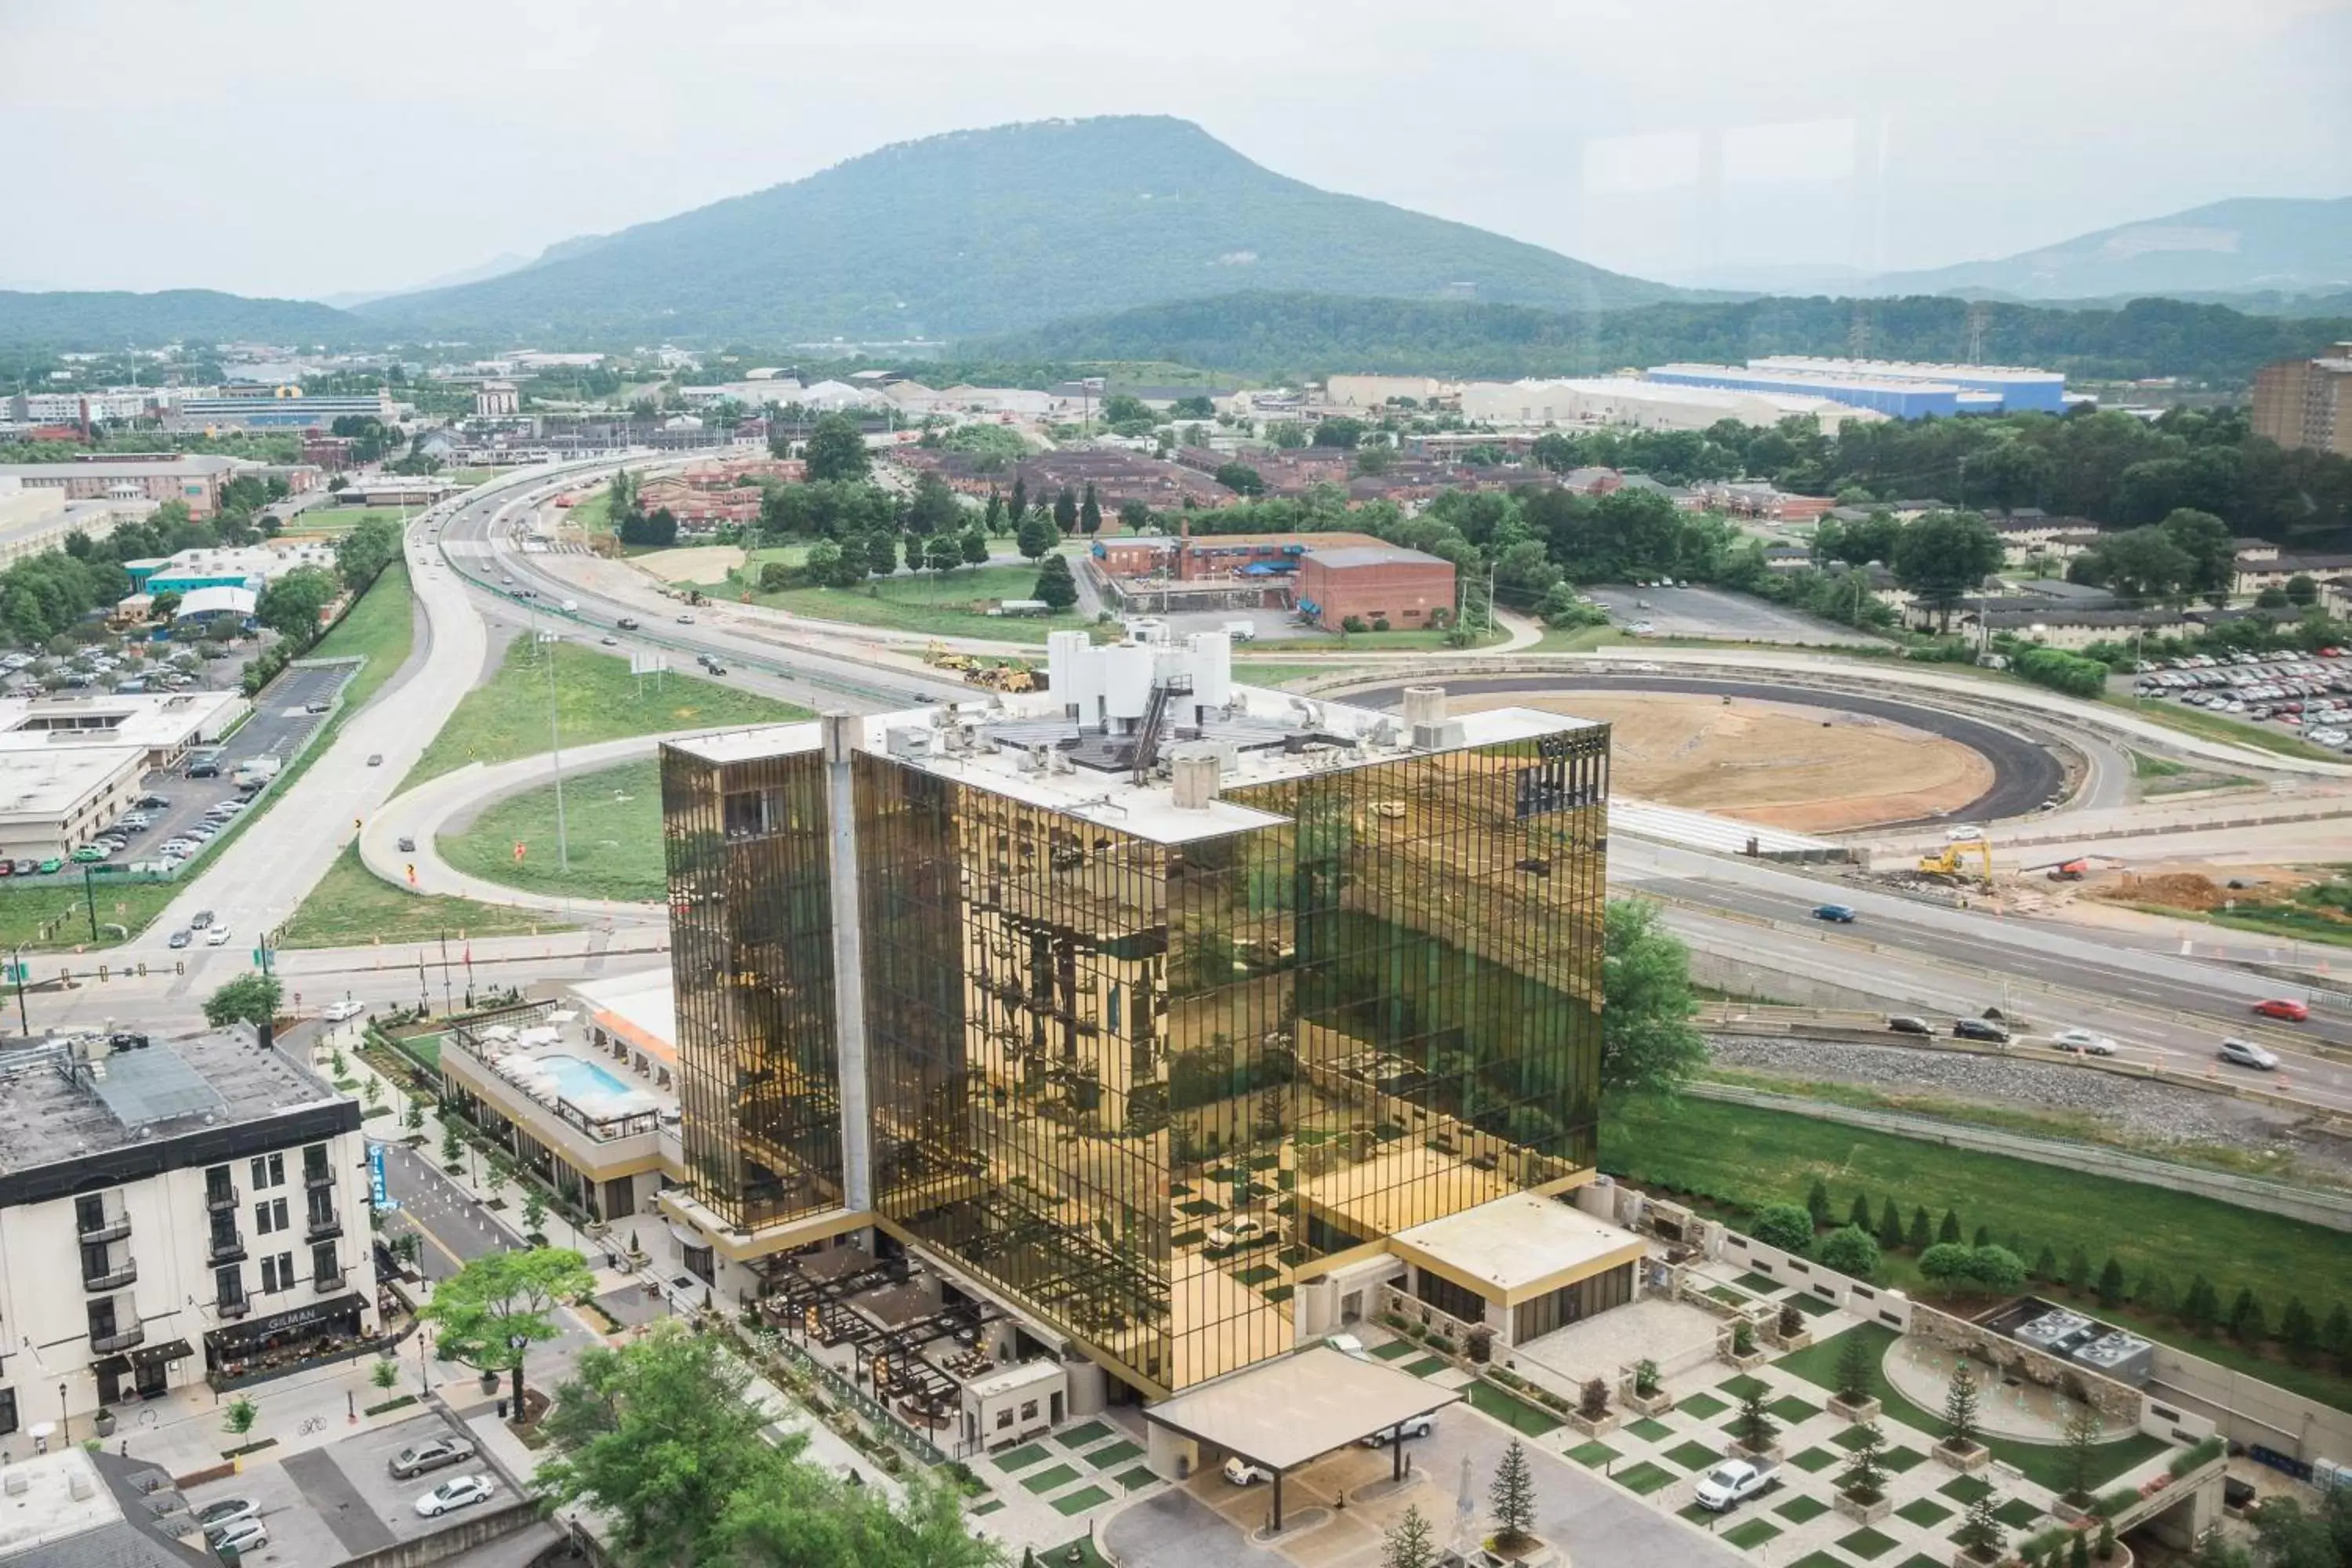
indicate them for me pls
(352, 907)
(613, 822)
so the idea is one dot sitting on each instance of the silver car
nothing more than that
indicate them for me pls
(431, 1455)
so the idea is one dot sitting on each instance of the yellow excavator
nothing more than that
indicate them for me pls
(1952, 860)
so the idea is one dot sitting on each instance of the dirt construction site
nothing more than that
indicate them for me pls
(1811, 770)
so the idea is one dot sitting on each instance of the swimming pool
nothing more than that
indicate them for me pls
(578, 1081)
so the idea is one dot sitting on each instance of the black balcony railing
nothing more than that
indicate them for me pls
(318, 1175)
(332, 1281)
(122, 1340)
(233, 1306)
(114, 1278)
(219, 1198)
(324, 1227)
(112, 1228)
(226, 1249)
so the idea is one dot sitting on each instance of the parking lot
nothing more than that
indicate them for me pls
(2306, 693)
(1709, 613)
(323, 1505)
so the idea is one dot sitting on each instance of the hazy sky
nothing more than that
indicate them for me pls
(309, 149)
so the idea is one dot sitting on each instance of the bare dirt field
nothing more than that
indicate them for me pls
(698, 564)
(1806, 769)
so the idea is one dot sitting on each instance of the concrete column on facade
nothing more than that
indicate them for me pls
(840, 733)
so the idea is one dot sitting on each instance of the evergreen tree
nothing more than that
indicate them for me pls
(1866, 1471)
(1921, 1239)
(1035, 537)
(1854, 1365)
(1066, 510)
(2078, 1556)
(1091, 514)
(1513, 1499)
(1055, 584)
(2246, 1325)
(1817, 1203)
(2045, 1265)
(2081, 1433)
(1890, 1226)
(1019, 508)
(2078, 1271)
(1857, 1216)
(2202, 1307)
(2111, 1285)
(2298, 1332)
(975, 546)
(2335, 1337)
(991, 516)
(1950, 1231)
(1981, 1534)
(913, 544)
(1410, 1542)
(1754, 1425)
(1960, 1415)
(2106, 1548)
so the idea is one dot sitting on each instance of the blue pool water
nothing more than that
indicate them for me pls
(576, 1079)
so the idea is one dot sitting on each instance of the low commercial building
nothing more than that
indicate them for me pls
(1892, 396)
(275, 408)
(74, 1506)
(2274, 569)
(70, 765)
(172, 1212)
(394, 489)
(37, 518)
(1630, 401)
(2012, 388)
(1376, 391)
(247, 566)
(1374, 586)
(196, 479)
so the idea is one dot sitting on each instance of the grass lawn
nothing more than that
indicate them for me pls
(379, 628)
(597, 698)
(1594, 1455)
(1755, 1532)
(1253, 673)
(1925, 1512)
(1766, 1156)
(340, 519)
(2217, 727)
(1516, 1414)
(1578, 639)
(1803, 1507)
(1080, 1501)
(592, 514)
(1046, 1479)
(1814, 1460)
(1691, 1456)
(2043, 1463)
(1016, 1459)
(2147, 767)
(1644, 1477)
(1866, 1543)
(612, 824)
(1699, 1406)
(950, 603)
(352, 905)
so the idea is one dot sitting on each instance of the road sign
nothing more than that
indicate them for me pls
(377, 1195)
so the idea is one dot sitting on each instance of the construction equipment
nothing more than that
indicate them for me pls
(1953, 861)
(938, 655)
(1010, 676)
(2071, 870)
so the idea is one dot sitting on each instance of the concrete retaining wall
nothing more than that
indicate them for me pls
(2247, 1410)
(469, 1531)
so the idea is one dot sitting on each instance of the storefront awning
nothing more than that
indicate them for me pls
(170, 1350)
(113, 1366)
(255, 1331)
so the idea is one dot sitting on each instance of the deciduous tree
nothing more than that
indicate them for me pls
(1647, 1042)
(492, 1311)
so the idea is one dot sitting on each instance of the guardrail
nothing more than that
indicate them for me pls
(2333, 1210)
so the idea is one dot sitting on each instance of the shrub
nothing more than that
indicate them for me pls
(1854, 1369)
(1754, 1425)
(1792, 1321)
(2203, 1453)
(1593, 1399)
(1817, 1201)
(1785, 1225)
(1852, 1252)
(1646, 1378)
(1743, 1338)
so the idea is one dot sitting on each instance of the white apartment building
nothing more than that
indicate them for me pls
(184, 1211)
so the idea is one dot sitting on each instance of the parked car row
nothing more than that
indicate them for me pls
(2285, 688)
(236, 1525)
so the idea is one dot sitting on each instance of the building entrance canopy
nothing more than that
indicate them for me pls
(1283, 1413)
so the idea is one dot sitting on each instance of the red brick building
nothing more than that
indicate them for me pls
(1373, 583)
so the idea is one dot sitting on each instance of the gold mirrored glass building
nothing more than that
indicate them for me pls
(1172, 997)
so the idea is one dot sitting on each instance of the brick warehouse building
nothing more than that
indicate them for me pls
(1373, 583)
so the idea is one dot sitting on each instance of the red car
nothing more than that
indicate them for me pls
(2283, 1007)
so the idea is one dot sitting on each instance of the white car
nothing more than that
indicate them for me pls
(338, 1010)
(246, 1535)
(227, 1511)
(216, 937)
(1242, 1230)
(1242, 1473)
(1731, 1482)
(449, 1496)
(2085, 1041)
(1963, 833)
(1418, 1427)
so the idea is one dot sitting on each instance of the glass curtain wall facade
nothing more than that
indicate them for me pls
(1146, 1087)
(751, 955)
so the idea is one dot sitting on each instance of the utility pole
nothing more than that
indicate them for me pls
(90, 900)
(17, 972)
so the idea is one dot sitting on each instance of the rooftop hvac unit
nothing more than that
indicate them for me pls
(2051, 1329)
(910, 742)
(2125, 1357)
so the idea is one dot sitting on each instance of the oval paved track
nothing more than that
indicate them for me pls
(2025, 774)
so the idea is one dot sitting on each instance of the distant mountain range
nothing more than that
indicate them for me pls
(988, 231)
(2244, 253)
(496, 266)
(110, 320)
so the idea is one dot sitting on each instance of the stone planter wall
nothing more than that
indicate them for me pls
(2117, 1403)
(1769, 1454)
(1786, 1343)
(1748, 1362)
(1967, 1464)
(1655, 1404)
(1867, 1410)
(1864, 1512)
(1592, 1425)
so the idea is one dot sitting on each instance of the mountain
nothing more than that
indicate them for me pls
(103, 321)
(496, 266)
(990, 231)
(2280, 245)
(1290, 335)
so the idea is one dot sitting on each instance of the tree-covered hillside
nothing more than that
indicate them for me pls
(991, 230)
(107, 320)
(1299, 334)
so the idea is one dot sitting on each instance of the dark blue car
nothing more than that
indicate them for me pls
(1841, 913)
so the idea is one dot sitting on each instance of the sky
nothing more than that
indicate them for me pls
(290, 148)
